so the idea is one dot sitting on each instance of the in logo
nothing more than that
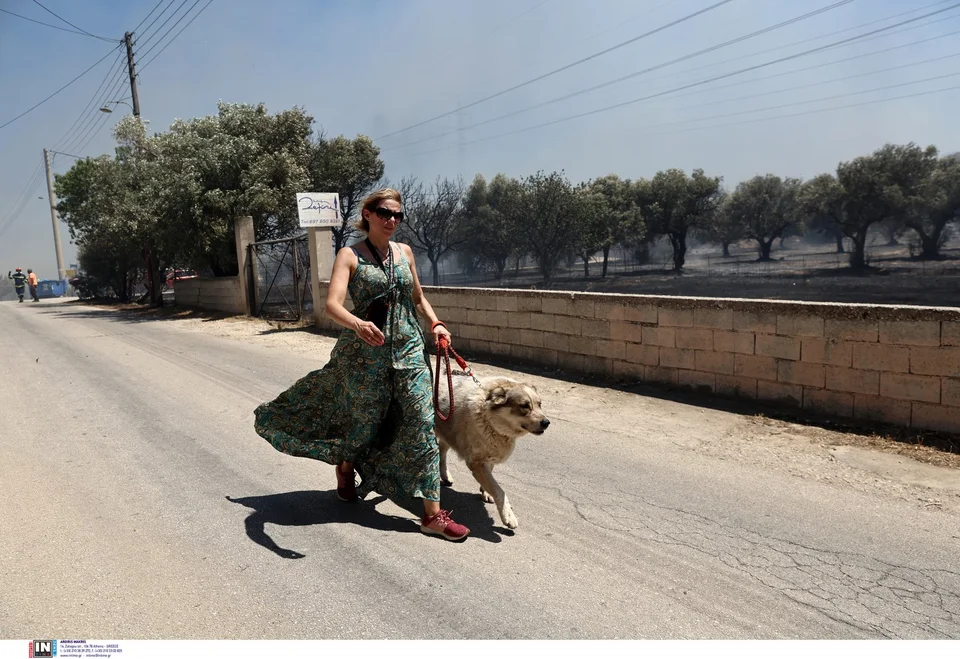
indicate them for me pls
(43, 648)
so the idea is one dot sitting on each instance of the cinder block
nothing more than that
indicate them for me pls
(452, 315)
(543, 321)
(562, 306)
(828, 402)
(531, 338)
(742, 343)
(609, 311)
(567, 325)
(910, 333)
(717, 319)
(714, 362)
(545, 356)
(641, 313)
(583, 346)
(611, 349)
(790, 395)
(584, 308)
(853, 381)
(467, 332)
(667, 317)
(518, 320)
(702, 382)
(677, 358)
(800, 326)
(781, 347)
(910, 387)
(935, 417)
(523, 353)
(660, 336)
(598, 329)
(950, 392)
(757, 368)
(507, 303)
(643, 354)
(877, 408)
(731, 385)
(755, 321)
(867, 331)
(950, 333)
(570, 362)
(529, 303)
(880, 357)
(662, 375)
(826, 351)
(935, 361)
(694, 339)
(623, 331)
(598, 365)
(486, 302)
(558, 342)
(475, 317)
(809, 375)
(627, 371)
(487, 333)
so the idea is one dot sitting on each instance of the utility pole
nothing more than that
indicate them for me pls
(53, 216)
(128, 42)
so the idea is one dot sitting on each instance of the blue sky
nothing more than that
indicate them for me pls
(378, 66)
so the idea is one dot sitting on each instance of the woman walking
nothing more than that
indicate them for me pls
(370, 409)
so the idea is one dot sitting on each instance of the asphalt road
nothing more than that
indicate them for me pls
(139, 503)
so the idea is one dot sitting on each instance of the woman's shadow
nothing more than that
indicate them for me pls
(312, 507)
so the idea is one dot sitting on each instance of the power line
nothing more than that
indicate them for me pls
(25, 196)
(150, 36)
(27, 111)
(157, 17)
(562, 68)
(111, 71)
(709, 80)
(195, 16)
(55, 27)
(69, 155)
(89, 34)
(515, 19)
(662, 65)
(109, 89)
(646, 12)
(147, 16)
(96, 120)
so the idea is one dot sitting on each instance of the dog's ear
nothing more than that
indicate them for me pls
(497, 396)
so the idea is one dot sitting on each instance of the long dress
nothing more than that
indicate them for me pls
(372, 405)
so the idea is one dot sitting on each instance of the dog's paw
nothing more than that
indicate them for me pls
(446, 482)
(487, 498)
(509, 519)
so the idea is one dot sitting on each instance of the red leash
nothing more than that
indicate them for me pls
(443, 352)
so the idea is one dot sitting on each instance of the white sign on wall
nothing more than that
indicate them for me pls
(319, 209)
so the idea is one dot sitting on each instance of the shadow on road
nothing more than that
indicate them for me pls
(312, 507)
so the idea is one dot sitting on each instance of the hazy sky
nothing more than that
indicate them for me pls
(378, 66)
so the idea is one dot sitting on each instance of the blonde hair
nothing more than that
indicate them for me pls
(372, 202)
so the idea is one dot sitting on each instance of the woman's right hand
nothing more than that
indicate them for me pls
(369, 332)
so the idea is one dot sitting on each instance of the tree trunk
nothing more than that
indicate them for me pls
(839, 238)
(606, 257)
(726, 250)
(679, 243)
(766, 246)
(858, 257)
(586, 266)
(930, 244)
(435, 271)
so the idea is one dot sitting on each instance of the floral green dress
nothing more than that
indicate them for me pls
(369, 405)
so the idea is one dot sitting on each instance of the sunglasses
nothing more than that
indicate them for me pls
(386, 214)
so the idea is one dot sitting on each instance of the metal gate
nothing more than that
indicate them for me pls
(281, 278)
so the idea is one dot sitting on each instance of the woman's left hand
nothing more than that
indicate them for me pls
(439, 331)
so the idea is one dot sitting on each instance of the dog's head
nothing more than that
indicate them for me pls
(516, 407)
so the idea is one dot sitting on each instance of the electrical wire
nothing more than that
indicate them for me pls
(31, 109)
(55, 27)
(150, 36)
(195, 16)
(562, 68)
(89, 34)
(110, 72)
(134, 30)
(157, 17)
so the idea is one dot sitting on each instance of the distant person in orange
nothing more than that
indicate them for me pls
(32, 283)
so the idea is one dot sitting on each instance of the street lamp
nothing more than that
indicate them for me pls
(107, 109)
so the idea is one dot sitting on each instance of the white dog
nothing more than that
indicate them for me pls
(487, 420)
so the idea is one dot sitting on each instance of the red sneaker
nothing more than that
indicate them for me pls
(441, 524)
(346, 485)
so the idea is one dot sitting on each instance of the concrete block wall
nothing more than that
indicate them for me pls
(214, 293)
(893, 364)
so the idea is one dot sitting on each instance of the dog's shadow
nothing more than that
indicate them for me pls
(312, 507)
